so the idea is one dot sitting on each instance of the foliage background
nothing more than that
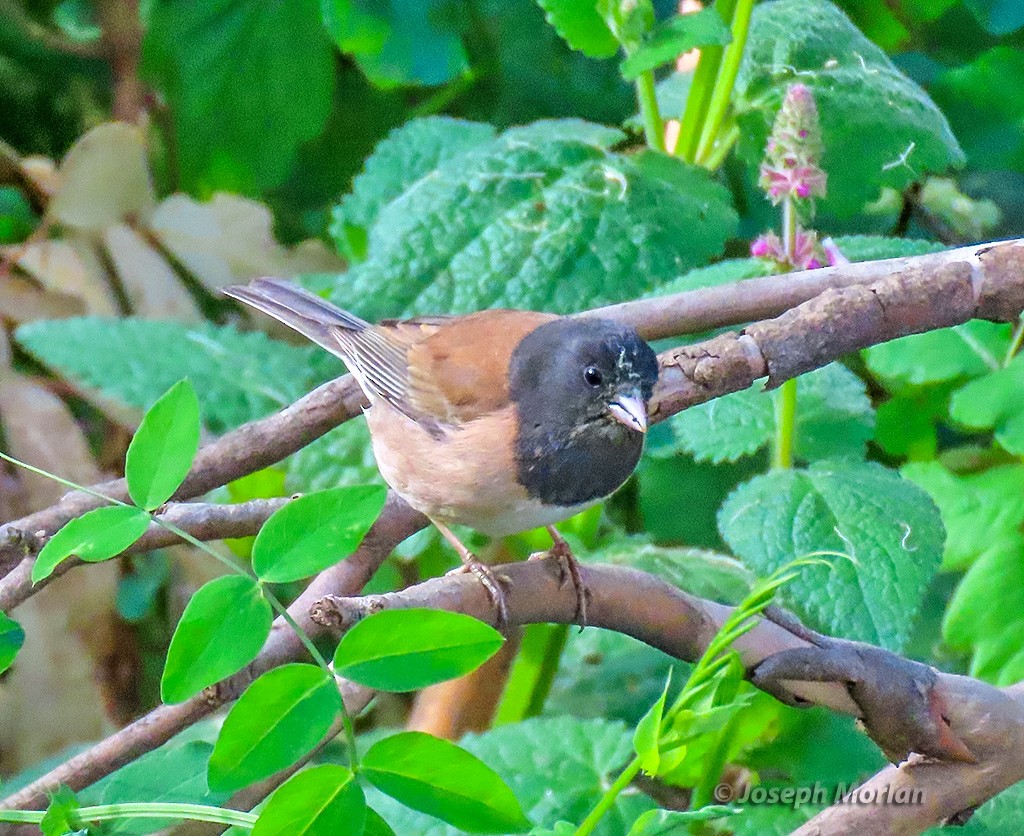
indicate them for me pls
(258, 122)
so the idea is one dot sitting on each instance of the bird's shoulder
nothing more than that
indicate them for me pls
(458, 366)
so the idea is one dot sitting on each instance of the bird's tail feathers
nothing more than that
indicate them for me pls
(311, 316)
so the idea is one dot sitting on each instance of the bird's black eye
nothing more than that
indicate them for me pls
(593, 376)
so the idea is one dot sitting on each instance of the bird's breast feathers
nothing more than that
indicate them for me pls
(467, 476)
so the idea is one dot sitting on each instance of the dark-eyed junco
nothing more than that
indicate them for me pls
(499, 420)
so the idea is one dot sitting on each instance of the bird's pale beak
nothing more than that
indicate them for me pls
(630, 412)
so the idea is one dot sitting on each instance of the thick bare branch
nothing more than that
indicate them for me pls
(878, 687)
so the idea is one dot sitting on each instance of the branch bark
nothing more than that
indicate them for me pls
(866, 682)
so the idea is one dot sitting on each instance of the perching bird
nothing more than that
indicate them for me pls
(500, 420)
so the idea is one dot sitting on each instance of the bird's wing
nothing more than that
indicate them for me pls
(437, 370)
(459, 371)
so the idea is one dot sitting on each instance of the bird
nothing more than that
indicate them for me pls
(499, 420)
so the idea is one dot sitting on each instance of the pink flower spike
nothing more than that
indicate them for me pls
(760, 248)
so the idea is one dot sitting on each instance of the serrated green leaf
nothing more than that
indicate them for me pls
(404, 650)
(279, 718)
(964, 351)
(981, 511)
(342, 456)
(671, 38)
(400, 42)
(402, 158)
(995, 401)
(701, 572)
(240, 101)
(238, 377)
(864, 101)
(96, 535)
(647, 737)
(315, 802)
(581, 26)
(221, 630)
(877, 247)
(315, 531)
(888, 527)
(543, 217)
(12, 637)
(163, 447)
(436, 777)
(834, 420)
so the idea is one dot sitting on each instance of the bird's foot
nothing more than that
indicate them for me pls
(569, 568)
(492, 583)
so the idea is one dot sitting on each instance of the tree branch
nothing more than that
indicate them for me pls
(876, 686)
(871, 304)
(396, 522)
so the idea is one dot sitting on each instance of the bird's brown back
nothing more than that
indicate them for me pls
(458, 367)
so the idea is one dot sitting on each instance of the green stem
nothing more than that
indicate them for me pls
(726, 78)
(1015, 343)
(233, 567)
(142, 810)
(534, 670)
(699, 98)
(608, 799)
(720, 150)
(654, 128)
(785, 426)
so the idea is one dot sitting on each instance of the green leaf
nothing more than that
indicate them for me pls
(986, 613)
(322, 800)
(399, 42)
(12, 637)
(175, 773)
(543, 217)
(315, 531)
(671, 38)
(999, 17)
(834, 419)
(401, 159)
(647, 737)
(877, 247)
(436, 777)
(887, 526)
(238, 377)
(61, 817)
(375, 824)
(222, 629)
(279, 718)
(581, 26)
(665, 822)
(342, 456)
(981, 512)
(864, 101)
(96, 535)
(161, 451)
(995, 401)
(580, 757)
(241, 100)
(964, 351)
(404, 650)
(701, 572)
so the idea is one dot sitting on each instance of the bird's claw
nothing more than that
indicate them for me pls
(569, 568)
(492, 583)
